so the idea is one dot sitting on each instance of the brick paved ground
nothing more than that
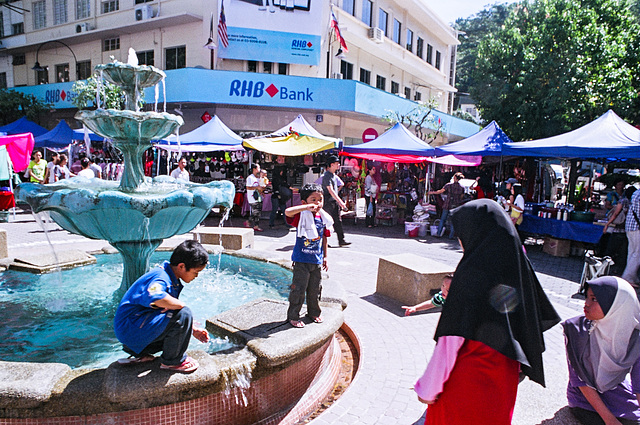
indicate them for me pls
(395, 349)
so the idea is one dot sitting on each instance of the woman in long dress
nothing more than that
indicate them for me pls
(603, 352)
(491, 325)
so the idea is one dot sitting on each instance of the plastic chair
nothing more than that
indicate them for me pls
(594, 267)
(361, 210)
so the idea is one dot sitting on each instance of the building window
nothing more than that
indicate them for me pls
(365, 76)
(419, 47)
(39, 14)
(42, 77)
(417, 97)
(252, 66)
(3, 80)
(283, 69)
(407, 92)
(349, 6)
(110, 44)
(83, 9)
(346, 69)
(142, 1)
(395, 87)
(381, 82)
(19, 59)
(62, 73)
(110, 6)
(383, 17)
(267, 67)
(176, 58)
(397, 29)
(437, 59)
(367, 12)
(409, 40)
(59, 12)
(430, 54)
(84, 70)
(1, 25)
(146, 58)
(17, 28)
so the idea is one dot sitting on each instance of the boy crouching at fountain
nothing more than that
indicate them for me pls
(151, 318)
(313, 227)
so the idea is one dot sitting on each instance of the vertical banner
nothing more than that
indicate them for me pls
(282, 31)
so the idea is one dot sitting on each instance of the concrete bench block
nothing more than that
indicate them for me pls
(409, 278)
(231, 238)
(4, 249)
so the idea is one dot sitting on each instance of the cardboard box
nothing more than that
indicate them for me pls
(557, 247)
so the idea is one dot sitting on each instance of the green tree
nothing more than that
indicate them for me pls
(426, 125)
(556, 65)
(15, 105)
(111, 96)
(472, 31)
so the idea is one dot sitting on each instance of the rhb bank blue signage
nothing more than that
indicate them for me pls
(258, 89)
(57, 95)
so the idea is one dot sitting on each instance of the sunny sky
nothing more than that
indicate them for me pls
(450, 10)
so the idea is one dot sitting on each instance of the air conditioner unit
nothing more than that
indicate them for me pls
(376, 34)
(144, 12)
(337, 75)
(84, 27)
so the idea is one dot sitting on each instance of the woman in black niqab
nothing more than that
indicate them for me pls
(495, 304)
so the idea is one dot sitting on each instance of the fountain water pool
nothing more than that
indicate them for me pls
(68, 318)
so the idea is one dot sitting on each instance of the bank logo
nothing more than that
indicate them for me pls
(57, 95)
(301, 45)
(256, 89)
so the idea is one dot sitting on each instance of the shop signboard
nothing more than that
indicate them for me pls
(252, 35)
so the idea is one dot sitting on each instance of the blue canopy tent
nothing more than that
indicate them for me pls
(394, 145)
(62, 136)
(23, 125)
(607, 137)
(486, 142)
(211, 136)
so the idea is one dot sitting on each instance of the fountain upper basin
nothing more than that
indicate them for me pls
(159, 209)
(130, 76)
(130, 126)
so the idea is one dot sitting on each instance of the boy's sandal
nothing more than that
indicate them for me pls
(187, 366)
(317, 319)
(135, 360)
(296, 323)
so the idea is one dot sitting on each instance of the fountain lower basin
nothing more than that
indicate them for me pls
(273, 368)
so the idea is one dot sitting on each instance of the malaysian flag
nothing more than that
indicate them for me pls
(222, 27)
(334, 25)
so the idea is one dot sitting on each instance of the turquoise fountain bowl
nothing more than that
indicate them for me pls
(125, 75)
(96, 209)
(134, 127)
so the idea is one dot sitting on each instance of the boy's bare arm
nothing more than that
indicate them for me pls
(292, 211)
(169, 303)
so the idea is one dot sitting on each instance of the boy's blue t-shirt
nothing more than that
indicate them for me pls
(309, 250)
(137, 323)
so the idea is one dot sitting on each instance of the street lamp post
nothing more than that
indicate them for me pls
(37, 66)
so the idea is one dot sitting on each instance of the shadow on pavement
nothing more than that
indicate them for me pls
(562, 417)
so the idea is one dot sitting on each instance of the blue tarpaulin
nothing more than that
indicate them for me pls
(486, 142)
(607, 137)
(23, 125)
(62, 136)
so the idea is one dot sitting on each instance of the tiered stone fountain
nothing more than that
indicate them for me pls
(136, 214)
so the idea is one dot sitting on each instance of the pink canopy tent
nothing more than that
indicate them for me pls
(19, 147)
(407, 159)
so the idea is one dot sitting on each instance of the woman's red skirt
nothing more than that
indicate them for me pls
(481, 389)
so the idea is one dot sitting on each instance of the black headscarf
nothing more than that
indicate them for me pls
(495, 297)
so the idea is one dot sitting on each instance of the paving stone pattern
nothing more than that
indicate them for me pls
(394, 349)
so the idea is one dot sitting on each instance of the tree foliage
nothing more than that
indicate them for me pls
(15, 105)
(556, 65)
(426, 125)
(111, 96)
(472, 31)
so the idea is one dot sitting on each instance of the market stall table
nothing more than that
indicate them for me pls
(266, 202)
(7, 201)
(570, 230)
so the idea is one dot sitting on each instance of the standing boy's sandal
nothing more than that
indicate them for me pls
(296, 323)
(136, 360)
(189, 365)
(317, 319)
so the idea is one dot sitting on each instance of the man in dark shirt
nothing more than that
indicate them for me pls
(332, 202)
(454, 192)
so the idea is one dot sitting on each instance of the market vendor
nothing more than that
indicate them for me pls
(454, 191)
(614, 196)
